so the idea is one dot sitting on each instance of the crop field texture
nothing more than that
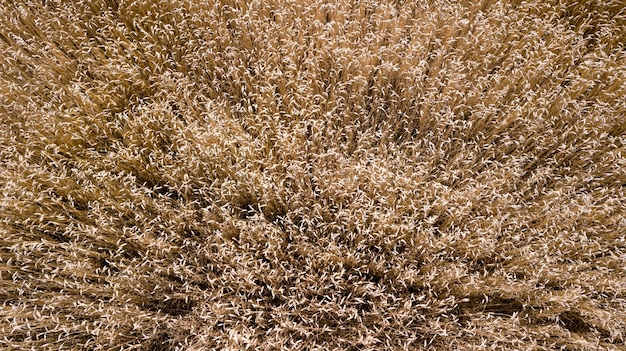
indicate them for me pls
(312, 175)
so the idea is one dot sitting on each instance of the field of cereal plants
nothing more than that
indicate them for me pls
(312, 175)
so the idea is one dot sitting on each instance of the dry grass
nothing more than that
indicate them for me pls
(312, 175)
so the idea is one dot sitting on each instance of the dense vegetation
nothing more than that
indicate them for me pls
(312, 175)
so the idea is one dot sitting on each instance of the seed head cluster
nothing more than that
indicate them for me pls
(312, 175)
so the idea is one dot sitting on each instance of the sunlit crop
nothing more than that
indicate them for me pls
(312, 175)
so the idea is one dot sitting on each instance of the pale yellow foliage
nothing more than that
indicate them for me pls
(312, 175)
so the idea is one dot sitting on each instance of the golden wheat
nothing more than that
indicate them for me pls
(312, 175)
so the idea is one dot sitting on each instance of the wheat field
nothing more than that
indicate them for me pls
(312, 175)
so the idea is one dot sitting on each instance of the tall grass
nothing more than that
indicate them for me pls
(312, 175)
